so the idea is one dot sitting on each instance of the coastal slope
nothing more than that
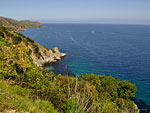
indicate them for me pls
(40, 55)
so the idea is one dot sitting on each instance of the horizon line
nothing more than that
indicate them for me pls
(92, 23)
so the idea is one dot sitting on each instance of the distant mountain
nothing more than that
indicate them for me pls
(17, 25)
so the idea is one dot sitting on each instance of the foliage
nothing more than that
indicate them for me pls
(17, 98)
(17, 39)
(73, 106)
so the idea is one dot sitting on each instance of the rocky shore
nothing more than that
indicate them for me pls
(47, 56)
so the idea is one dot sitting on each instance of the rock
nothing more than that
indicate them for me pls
(46, 56)
(58, 58)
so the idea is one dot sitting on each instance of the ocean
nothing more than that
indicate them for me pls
(121, 51)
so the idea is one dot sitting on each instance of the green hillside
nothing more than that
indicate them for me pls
(17, 25)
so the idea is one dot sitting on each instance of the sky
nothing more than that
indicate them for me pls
(78, 11)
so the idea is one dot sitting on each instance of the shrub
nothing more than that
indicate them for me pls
(16, 39)
(29, 39)
(36, 48)
(18, 99)
(73, 106)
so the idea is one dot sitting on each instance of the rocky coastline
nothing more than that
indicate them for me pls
(47, 56)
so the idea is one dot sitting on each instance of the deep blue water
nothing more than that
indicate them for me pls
(122, 51)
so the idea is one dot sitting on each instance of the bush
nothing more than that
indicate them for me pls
(17, 98)
(73, 106)
(16, 39)
(29, 39)
(36, 48)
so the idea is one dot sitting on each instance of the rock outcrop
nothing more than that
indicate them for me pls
(47, 56)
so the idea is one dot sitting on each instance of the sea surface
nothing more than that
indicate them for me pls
(121, 51)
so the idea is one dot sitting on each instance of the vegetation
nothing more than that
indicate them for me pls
(34, 89)
(18, 99)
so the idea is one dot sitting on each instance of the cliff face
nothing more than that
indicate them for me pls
(40, 55)
(46, 56)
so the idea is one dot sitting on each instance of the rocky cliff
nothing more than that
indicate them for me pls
(46, 56)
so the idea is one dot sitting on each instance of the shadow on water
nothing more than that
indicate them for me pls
(59, 68)
(142, 106)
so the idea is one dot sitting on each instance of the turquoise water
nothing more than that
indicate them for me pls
(122, 51)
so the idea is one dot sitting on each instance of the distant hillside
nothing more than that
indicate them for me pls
(17, 25)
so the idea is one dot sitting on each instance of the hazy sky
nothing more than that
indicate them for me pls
(87, 11)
